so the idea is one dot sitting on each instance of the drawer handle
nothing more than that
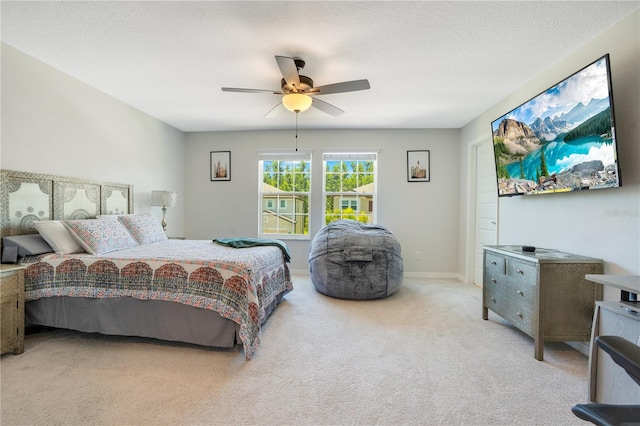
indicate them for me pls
(520, 293)
(493, 280)
(493, 299)
(520, 315)
(520, 271)
(493, 262)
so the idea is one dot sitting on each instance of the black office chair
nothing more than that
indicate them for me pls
(627, 355)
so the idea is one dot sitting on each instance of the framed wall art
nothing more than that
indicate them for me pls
(418, 168)
(220, 165)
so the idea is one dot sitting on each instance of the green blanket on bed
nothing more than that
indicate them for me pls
(253, 242)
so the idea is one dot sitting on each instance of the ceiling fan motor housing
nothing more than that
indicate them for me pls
(306, 84)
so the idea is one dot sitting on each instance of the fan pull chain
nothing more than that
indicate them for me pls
(296, 131)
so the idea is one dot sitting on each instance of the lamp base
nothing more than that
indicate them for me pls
(164, 222)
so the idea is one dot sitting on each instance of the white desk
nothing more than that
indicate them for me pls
(608, 382)
(629, 285)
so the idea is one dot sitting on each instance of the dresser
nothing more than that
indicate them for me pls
(544, 293)
(608, 382)
(12, 308)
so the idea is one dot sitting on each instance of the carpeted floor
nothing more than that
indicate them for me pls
(424, 356)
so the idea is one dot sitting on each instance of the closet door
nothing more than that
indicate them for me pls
(486, 232)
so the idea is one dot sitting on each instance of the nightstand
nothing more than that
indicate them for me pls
(12, 308)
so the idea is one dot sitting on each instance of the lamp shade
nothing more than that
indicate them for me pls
(163, 198)
(297, 102)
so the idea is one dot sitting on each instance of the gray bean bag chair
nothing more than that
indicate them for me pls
(353, 260)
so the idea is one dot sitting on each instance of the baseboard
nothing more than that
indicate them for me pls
(582, 347)
(432, 275)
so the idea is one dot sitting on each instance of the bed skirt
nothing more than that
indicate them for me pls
(127, 316)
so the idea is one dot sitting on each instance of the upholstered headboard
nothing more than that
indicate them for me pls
(27, 197)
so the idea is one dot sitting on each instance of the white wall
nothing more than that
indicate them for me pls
(55, 124)
(423, 216)
(603, 223)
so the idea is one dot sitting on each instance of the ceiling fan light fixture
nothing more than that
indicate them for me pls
(297, 102)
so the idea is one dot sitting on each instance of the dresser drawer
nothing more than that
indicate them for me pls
(494, 299)
(522, 272)
(522, 293)
(517, 312)
(494, 262)
(494, 278)
(520, 316)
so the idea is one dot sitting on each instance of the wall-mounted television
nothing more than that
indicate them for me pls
(562, 140)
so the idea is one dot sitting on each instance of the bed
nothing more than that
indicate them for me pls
(128, 278)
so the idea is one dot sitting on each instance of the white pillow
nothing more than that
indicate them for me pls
(58, 236)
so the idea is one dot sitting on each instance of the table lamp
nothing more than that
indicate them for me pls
(163, 199)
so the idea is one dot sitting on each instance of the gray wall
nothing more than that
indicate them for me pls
(53, 123)
(603, 223)
(423, 216)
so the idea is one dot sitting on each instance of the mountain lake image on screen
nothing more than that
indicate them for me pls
(561, 140)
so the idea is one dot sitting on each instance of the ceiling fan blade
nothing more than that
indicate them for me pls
(289, 70)
(327, 107)
(239, 89)
(345, 86)
(276, 110)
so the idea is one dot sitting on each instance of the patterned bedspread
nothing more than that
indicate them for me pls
(236, 283)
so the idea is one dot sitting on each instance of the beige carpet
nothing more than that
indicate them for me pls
(421, 357)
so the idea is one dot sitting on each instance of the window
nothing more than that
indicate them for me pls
(349, 204)
(349, 186)
(284, 190)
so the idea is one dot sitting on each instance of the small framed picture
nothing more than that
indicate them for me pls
(220, 165)
(418, 169)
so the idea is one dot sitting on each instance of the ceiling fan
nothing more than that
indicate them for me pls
(298, 91)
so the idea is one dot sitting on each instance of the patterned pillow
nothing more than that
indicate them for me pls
(144, 228)
(100, 236)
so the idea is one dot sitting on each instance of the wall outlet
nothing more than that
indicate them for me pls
(417, 255)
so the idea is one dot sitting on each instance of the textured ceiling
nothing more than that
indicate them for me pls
(431, 64)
